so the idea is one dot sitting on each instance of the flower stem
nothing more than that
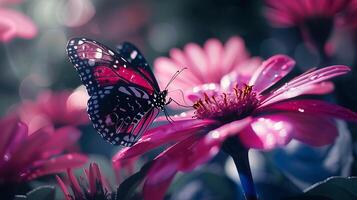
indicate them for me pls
(239, 153)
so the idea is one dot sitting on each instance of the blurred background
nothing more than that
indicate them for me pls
(35, 61)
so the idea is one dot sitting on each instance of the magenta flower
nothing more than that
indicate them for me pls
(237, 117)
(206, 66)
(25, 157)
(56, 109)
(94, 187)
(316, 19)
(15, 24)
(287, 13)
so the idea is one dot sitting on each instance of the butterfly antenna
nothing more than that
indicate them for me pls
(175, 76)
(183, 99)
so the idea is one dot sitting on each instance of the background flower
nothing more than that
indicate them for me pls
(15, 24)
(26, 157)
(96, 186)
(205, 65)
(63, 108)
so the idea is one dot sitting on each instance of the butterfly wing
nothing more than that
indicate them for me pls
(130, 53)
(98, 66)
(122, 114)
(119, 104)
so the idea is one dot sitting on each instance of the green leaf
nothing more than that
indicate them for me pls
(127, 188)
(46, 192)
(333, 188)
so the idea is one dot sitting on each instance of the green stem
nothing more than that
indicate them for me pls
(239, 153)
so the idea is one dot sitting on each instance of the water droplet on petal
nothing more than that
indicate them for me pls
(313, 77)
(284, 67)
(7, 157)
(215, 134)
(301, 110)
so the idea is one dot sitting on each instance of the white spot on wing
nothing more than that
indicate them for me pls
(133, 54)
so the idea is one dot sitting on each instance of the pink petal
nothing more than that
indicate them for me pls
(234, 51)
(10, 2)
(314, 89)
(162, 135)
(306, 80)
(94, 178)
(214, 50)
(165, 68)
(279, 18)
(14, 24)
(198, 62)
(30, 149)
(310, 106)
(76, 188)
(277, 130)
(57, 164)
(63, 188)
(313, 130)
(13, 133)
(164, 169)
(61, 139)
(209, 145)
(267, 132)
(241, 74)
(271, 71)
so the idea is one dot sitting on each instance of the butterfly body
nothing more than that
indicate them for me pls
(124, 95)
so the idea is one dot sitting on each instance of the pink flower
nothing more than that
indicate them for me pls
(15, 24)
(253, 112)
(25, 157)
(96, 186)
(54, 109)
(316, 19)
(205, 66)
(285, 13)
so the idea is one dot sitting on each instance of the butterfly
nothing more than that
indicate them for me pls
(125, 96)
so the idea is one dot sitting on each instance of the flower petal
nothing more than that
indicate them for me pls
(271, 71)
(210, 144)
(306, 79)
(277, 130)
(214, 50)
(61, 139)
(57, 164)
(241, 74)
(165, 166)
(198, 62)
(30, 150)
(314, 89)
(14, 24)
(234, 51)
(162, 135)
(63, 188)
(311, 106)
(313, 129)
(266, 132)
(12, 135)
(165, 68)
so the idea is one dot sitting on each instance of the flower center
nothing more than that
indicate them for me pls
(227, 106)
